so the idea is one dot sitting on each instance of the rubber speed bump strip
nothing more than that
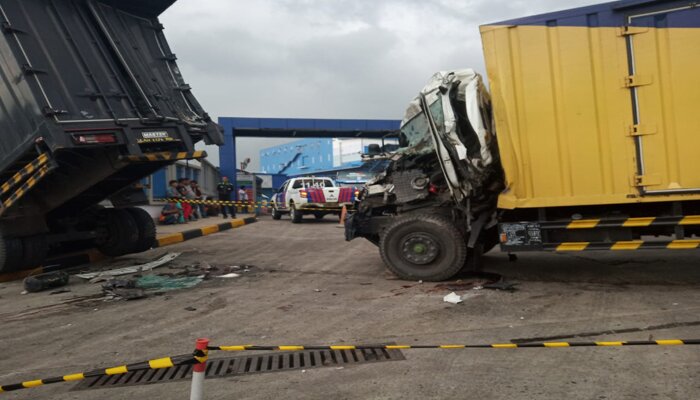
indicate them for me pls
(159, 363)
(667, 342)
(633, 222)
(23, 173)
(207, 230)
(165, 156)
(685, 244)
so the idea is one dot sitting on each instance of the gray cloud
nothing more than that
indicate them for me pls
(327, 59)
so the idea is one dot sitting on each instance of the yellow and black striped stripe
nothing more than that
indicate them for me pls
(624, 245)
(165, 156)
(259, 204)
(158, 363)
(30, 183)
(208, 230)
(634, 222)
(667, 342)
(24, 173)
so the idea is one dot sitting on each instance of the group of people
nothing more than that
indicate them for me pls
(182, 206)
(180, 212)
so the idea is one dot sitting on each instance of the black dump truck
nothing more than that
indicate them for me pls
(91, 101)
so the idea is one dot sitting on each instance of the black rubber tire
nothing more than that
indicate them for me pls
(276, 214)
(35, 250)
(122, 232)
(319, 216)
(295, 214)
(146, 227)
(451, 247)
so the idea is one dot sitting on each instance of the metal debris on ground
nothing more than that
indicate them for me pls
(122, 289)
(103, 275)
(159, 283)
(219, 271)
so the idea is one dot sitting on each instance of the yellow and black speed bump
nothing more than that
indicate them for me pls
(667, 342)
(625, 245)
(199, 232)
(165, 156)
(159, 363)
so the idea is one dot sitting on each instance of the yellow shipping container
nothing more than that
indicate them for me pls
(598, 105)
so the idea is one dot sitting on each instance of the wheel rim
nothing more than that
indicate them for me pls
(419, 248)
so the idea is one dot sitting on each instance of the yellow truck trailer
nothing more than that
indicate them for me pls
(588, 140)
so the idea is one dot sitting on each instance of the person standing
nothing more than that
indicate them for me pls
(198, 196)
(243, 198)
(225, 188)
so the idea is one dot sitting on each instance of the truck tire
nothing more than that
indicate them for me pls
(423, 247)
(146, 228)
(276, 214)
(319, 215)
(295, 214)
(122, 232)
(35, 250)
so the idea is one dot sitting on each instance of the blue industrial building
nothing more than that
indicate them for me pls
(318, 131)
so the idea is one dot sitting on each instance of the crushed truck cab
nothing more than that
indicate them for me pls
(434, 207)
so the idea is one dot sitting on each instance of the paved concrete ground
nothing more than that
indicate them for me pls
(642, 295)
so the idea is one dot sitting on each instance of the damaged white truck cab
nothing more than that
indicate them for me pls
(432, 212)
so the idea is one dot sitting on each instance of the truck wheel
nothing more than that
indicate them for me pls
(295, 214)
(122, 232)
(146, 228)
(319, 215)
(35, 250)
(423, 247)
(275, 213)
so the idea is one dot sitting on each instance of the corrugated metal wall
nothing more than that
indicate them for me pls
(573, 129)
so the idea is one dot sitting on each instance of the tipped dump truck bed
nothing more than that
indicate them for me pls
(91, 100)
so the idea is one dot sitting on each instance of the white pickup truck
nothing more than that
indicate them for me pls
(316, 196)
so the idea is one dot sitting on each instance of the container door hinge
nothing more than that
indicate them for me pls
(641, 129)
(631, 30)
(646, 180)
(637, 80)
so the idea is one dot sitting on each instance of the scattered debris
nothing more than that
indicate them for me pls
(59, 291)
(502, 285)
(452, 298)
(190, 309)
(318, 290)
(122, 289)
(37, 283)
(160, 283)
(97, 276)
(229, 275)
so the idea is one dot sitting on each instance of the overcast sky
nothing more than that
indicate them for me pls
(327, 58)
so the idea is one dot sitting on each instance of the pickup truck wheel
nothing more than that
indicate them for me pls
(295, 214)
(423, 247)
(146, 228)
(275, 213)
(122, 232)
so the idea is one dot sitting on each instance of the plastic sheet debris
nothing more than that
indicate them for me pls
(230, 275)
(158, 283)
(94, 276)
(452, 298)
